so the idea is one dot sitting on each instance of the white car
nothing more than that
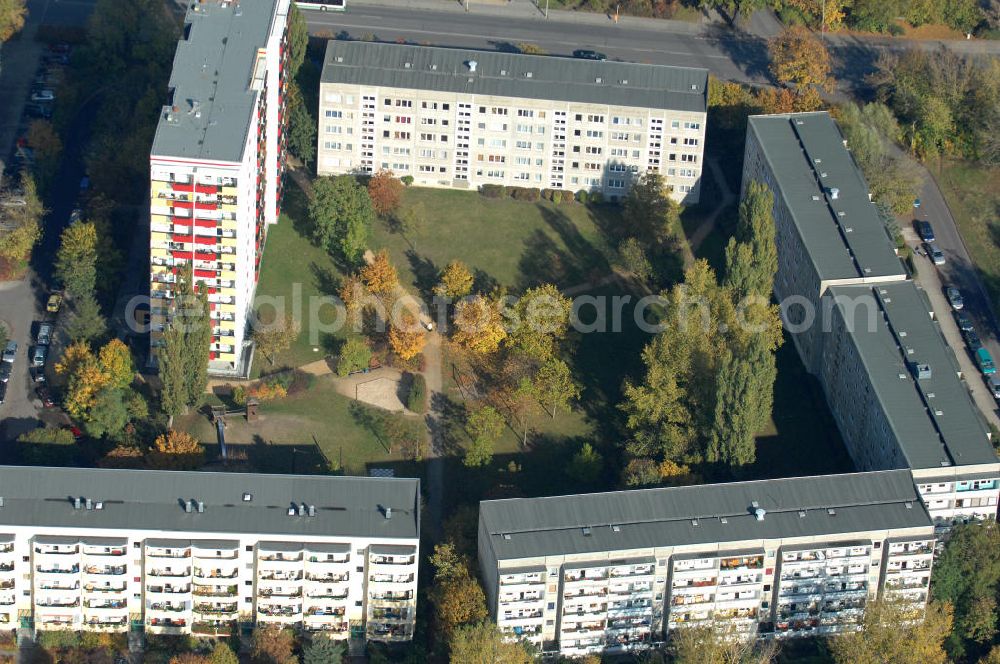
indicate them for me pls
(43, 95)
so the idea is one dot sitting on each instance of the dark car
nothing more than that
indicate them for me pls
(963, 321)
(926, 231)
(45, 397)
(38, 112)
(3, 392)
(587, 54)
(37, 374)
(972, 341)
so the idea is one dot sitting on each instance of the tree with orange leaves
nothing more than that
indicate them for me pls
(407, 339)
(176, 450)
(385, 190)
(799, 59)
(380, 275)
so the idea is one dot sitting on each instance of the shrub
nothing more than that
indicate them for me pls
(493, 190)
(596, 198)
(581, 196)
(354, 356)
(525, 194)
(407, 180)
(547, 194)
(58, 639)
(556, 196)
(416, 397)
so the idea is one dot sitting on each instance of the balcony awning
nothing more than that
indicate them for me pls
(55, 539)
(279, 547)
(216, 545)
(392, 549)
(105, 541)
(528, 569)
(328, 547)
(164, 543)
(835, 544)
(6, 538)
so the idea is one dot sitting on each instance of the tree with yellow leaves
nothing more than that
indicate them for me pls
(380, 275)
(176, 450)
(12, 15)
(456, 281)
(116, 361)
(86, 378)
(479, 326)
(407, 339)
(798, 58)
(894, 632)
(456, 595)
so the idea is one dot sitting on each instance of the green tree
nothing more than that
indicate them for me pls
(586, 465)
(708, 645)
(323, 650)
(554, 386)
(274, 336)
(173, 395)
(354, 355)
(22, 223)
(753, 273)
(649, 214)
(12, 15)
(86, 323)
(456, 281)
(341, 213)
(272, 644)
(889, 633)
(484, 425)
(634, 260)
(191, 315)
(967, 575)
(301, 125)
(223, 654)
(298, 39)
(540, 321)
(484, 644)
(109, 414)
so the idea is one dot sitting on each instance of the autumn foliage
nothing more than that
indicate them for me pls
(407, 339)
(176, 450)
(478, 325)
(385, 190)
(380, 275)
(456, 281)
(798, 58)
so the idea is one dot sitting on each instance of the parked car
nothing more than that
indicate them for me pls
(925, 230)
(985, 362)
(934, 252)
(972, 341)
(5, 368)
(43, 95)
(994, 384)
(44, 335)
(38, 111)
(10, 352)
(75, 430)
(587, 54)
(37, 374)
(963, 321)
(39, 356)
(3, 392)
(44, 396)
(954, 298)
(55, 301)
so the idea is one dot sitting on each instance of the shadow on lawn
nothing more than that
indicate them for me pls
(544, 261)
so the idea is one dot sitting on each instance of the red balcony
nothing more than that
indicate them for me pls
(180, 186)
(206, 223)
(205, 239)
(183, 205)
(206, 206)
(186, 255)
(207, 189)
(204, 256)
(180, 237)
(211, 355)
(206, 274)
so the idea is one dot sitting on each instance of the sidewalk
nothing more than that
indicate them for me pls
(527, 9)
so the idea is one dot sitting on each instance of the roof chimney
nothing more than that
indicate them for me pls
(472, 65)
(312, 510)
(201, 507)
(388, 512)
(76, 503)
(90, 504)
(189, 506)
(834, 193)
(759, 513)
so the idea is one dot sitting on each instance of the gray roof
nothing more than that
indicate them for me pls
(933, 418)
(153, 500)
(800, 148)
(530, 527)
(507, 75)
(211, 79)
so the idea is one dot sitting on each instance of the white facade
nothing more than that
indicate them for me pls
(465, 139)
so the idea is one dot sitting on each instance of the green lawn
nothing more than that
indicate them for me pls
(973, 195)
(316, 420)
(512, 243)
(294, 270)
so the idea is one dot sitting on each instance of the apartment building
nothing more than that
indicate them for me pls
(865, 330)
(216, 165)
(777, 558)
(208, 553)
(463, 118)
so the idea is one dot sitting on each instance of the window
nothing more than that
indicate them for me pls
(579, 117)
(616, 184)
(591, 149)
(595, 118)
(522, 161)
(445, 107)
(428, 121)
(593, 133)
(333, 114)
(524, 113)
(404, 119)
(333, 129)
(690, 141)
(523, 145)
(404, 103)
(689, 158)
(330, 145)
(498, 110)
(387, 102)
(619, 136)
(523, 129)
(692, 125)
(426, 137)
(618, 152)
(402, 135)
(675, 125)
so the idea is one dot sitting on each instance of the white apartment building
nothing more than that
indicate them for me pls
(865, 330)
(208, 553)
(216, 165)
(778, 558)
(463, 118)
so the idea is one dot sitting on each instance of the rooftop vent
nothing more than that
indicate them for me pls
(247, 497)
(841, 214)
(302, 509)
(598, 80)
(931, 395)
(831, 511)
(76, 503)
(90, 504)
(472, 64)
(624, 81)
(938, 413)
(388, 512)
(694, 86)
(503, 72)
(754, 504)
(312, 510)
(407, 65)
(818, 160)
(799, 122)
(759, 513)
(506, 536)
(902, 376)
(99, 505)
(291, 511)
(802, 514)
(528, 74)
(815, 198)
(923, 372)
(848, 229)
(616, 529)
(902, 333)
(694, 522)
(188, 506)
(834, 192)
(201, 507)
(586, 531)
(723, 519)
(340, 58)
(434, 67)
(909, 504)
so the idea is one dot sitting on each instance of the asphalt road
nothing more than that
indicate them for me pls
(730, 55)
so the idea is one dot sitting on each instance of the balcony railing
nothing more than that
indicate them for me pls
(93, 588)
(215, 591)
(281, 557)
(214, 574)
(168, 589)
(105, 570)
(106, 604)
(174, 573)
(215, 609)
(279, 611)
(163, 606)
(75, 569)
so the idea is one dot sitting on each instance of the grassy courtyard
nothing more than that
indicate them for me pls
(973, 195)
(512, 243)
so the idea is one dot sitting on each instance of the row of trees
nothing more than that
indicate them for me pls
(709, 377)
(20, 226)
(946, 104)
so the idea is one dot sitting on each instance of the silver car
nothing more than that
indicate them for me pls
(10, 352)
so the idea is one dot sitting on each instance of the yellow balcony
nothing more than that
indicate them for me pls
(226, 324)
(229, 191)
(226, 308)
(228, 241)
(156, 186)
(159, 252)
(229, 208)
